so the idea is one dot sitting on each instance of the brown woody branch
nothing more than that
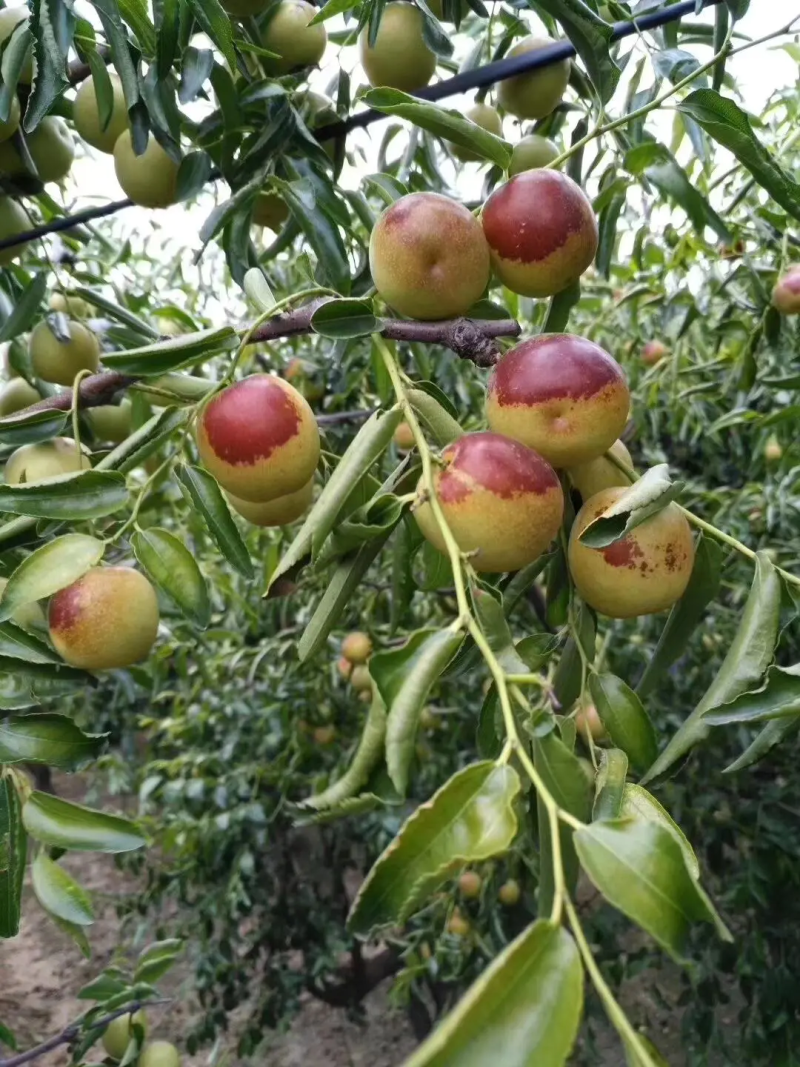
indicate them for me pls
(472, 339)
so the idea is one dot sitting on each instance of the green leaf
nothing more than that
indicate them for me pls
(16, 643)
(59, 893)
(52, 24)
(564, 778)
(58, 823)
(54, 566)
(203, 493)
(144, 441)
(114, 311)
(257, 288)
(28, 427)
(625, 719)
(559, 308)
(610, 784)
(645, 498)
(523, 1011)
(370, 441)
(106, 985)
(592, 39)
(88, 494)
(26, 308)
(162, 356)
(637, 803)
(344, 318)
(155, 960)
(777, 698)
(174, 570)
(639, 867)
(366, 758)
(686, 614)
(16, 50)
(773, 733)
(13, 856)
(214, 21)
(725, 121)
(671, 179)
(743, 667)
(469, 819)
(134, 12)
(49, 739)
(404, 677)
(443, 122)
(77, 933)
(439, 423)
(320, 230)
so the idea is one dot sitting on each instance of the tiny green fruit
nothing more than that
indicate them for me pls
(469, 885)
(509, 893)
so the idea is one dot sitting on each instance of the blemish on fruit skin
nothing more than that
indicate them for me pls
(250, 419)
(555, 367)
(495, 463)
(532, 215)
(623, 553)
(66, 607)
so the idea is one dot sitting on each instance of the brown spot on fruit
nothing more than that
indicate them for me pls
(259, 439)
(502, 502)
(561, 395)
(428, 257)
(646, 572)
(541, 231)
(107, 619)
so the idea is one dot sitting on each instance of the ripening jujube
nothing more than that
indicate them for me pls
(502, 502)
(598, 474)
(642, 573)
(59, 361)
(399, 58)
(541, 231)
(653, 352)
(289, 35)
(534, 94)
(357, 647)
(560, 394)
(73, 306)
(149, 180)
(44, 460)
(786, 294)
(107, 619)
(259, 438)
(588, 719)
(278, 512)
(469, 885)
(428, 257)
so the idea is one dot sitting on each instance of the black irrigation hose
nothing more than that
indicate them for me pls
(459, 83)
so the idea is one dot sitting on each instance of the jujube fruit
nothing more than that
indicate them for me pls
(51, 148)
(562, 395)
(400, 58)
(149, 180)
(278, 512)
(119, 1032)
(9, 126)
(488, 118)
(344, 667)
(10, 18)
(404, 437)
(532, 152)
(458, 925)
(289, 35)
(270, 210)
(786, 294)
(428, 257)
(502, 502)
(159, 1054)
(535, 93)
(17, 395)
(653, 352)
(111, 422)
(107, 619)
(509, 893)
(86, 115)
(45, 460)
(259, 438)
(773, 450)
(360, 678)
(469, 885)
(644, 572)
(542, 232)
(587, 718)
(59, 361)
(357, 647)
(13, 221)
(324, 735)
(598, 474)
(75, 306)
(29, 616)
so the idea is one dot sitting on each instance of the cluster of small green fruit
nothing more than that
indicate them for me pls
(119, 1034)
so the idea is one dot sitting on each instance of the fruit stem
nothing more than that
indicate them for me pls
(76, 424)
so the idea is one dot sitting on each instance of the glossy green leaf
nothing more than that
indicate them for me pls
(28, 427)
(469, 819)
(321, 231)
(54, 566)
(52, 25)
(637, 803)
(16, 643)
(162, 356)
(624, 717)
(610, 784)
(155, 960)
(559, 308)
(443, 122)
(74, 931)
(404, 678)
(114, 311)
(203, 493)
(645, 498)
(50, 739)
(568, 676)
(686, 614)
(667, 175)
(344, 319)
(257, 288)
(59, 893)
(639, 867)
(214, 20)
(745, 664)
(777, 698)
(366, 758)
(564, 778)
(437, 422)
(724, 120)
(60, 824)
(84, 495)
(370, 441)
(144, 441)
(13, 856)
(776, 731)
(592, 39)
(174, 570)
(523, 1011)
(26, 309)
